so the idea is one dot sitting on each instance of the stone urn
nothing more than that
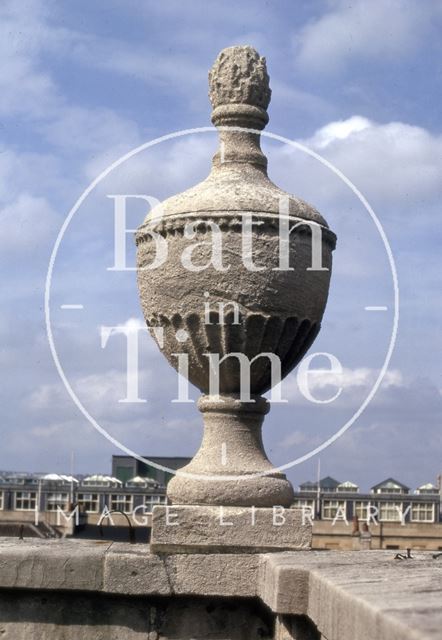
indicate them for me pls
(236, 297)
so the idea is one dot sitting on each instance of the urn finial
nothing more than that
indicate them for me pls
(239, 88)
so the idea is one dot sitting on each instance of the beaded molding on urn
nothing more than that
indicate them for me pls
(268, 224)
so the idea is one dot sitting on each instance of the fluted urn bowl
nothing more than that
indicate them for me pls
(235, 311)
(222, 289)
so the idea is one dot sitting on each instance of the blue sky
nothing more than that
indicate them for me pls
(83, 83)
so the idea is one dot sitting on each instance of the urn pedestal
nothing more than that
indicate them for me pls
(240, 308)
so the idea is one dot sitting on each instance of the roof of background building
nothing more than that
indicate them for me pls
(142, 481)
(55, 477)
(102, 478)
(309, 484)
(328, 483)
(348, 485)
(426, 489)
(325, 483)
(390, 483)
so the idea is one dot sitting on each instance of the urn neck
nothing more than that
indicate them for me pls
(239, 146)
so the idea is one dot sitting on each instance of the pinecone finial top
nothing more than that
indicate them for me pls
(239, 76)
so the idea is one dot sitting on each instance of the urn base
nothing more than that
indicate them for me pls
(231, 467)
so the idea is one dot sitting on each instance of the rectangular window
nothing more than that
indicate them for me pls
(390, 490)
(363, 510)
(25, 500)
(121, 502)
(96, 483)
(88, 502)
(1, 500)
(390, 511)
(307, 505)
(54, 500)
(422, 512)
(151, 501)
(330, 509)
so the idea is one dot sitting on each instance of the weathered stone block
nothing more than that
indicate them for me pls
(67, 566)
(284, 583)
(137, 571)
(205, 529)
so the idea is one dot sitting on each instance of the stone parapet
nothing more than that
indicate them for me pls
(368, 595)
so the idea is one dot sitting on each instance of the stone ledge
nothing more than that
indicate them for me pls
(42, 564)
(366, 595)
(125, 569)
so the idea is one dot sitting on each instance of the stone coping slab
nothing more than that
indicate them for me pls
(368, 595)
(355, 594)
(121, 568)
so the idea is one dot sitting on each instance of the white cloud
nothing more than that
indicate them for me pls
(132, 325)
(99, 393)
(299, 438)
(29, 89)
(396, 160)
(339, 130)
(26, 223)
(91, 129)
(290, 98)
(26, 88)
(146, 65)
(364, 30)
(391, 164)
(27, 35)
(400, 437)
(153, 426)
(355, 384)
(160, 171)
(41, 174)
(350, 379)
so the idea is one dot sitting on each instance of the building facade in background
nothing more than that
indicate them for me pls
(390, 514)
(388, 501)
